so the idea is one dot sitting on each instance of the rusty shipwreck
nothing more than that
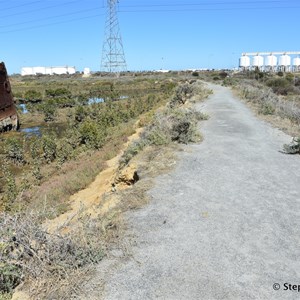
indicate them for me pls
(8, 114)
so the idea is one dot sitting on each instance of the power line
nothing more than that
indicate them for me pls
(185, 7)
(38, 9)
(49, 18)
(21, 5)
(51, 24)
(204, 4)
(209, 9)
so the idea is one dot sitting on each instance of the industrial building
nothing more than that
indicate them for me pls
(288, 61)
(47, 70)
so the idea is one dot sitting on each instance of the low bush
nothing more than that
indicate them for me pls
(14, 150)
(49, 109)
(27, 251)
(266, 109)
(33, 95)
(174, 123)
(281, 86)
(292, 148)
(91, 134)
(49, 148)
(182, 93)
(268, 102)
(10, 188)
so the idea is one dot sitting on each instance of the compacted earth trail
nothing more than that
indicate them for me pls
(224, 224)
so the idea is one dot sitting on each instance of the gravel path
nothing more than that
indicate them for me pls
(225, 224)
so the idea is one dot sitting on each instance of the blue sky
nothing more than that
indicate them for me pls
(177, 34)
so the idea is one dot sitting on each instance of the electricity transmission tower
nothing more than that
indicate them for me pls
(113, 58)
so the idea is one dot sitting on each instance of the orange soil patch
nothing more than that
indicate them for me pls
(89, 198)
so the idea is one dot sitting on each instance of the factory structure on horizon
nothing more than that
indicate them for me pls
(288, 61)
(47, 70)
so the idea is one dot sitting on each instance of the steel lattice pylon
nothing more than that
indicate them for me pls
(113, 57)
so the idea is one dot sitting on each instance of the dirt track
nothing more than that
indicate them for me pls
(225, 224)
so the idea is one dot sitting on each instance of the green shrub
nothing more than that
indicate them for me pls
(290, 77)
(267, 109)
(10, 275)
(280, 86)
(223, 74)
(11, 190)
(80, 113)
(64, 151)
(91, 134)
(280, 74)
(14, 150)
(35, 147)
(49, 109)
(48, 145)
(58, 92)
(33, 95)
(36, 170)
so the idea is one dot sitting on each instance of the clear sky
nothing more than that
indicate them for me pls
(177, 34)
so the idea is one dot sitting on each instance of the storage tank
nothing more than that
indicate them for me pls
(296, 62)
(48, 71)
(258, 61)
(244, 61)
(284, 60)
(27, 71)
(59, 70)
(71, 70)
(39, 70)
(86, 71)
(271, 61)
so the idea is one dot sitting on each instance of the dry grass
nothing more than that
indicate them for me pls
(52, 263)
(278, 110)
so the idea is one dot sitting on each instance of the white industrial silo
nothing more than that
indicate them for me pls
(296, 63)
(49, 71)
(258, 62)
(39, 70)
(244, 62)
(86, 72)
(27, 71)
(71, 70)
(271, 62)
(285, 62)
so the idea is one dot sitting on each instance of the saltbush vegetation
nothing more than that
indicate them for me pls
(277, 95)
(175, 123)
(28, 252)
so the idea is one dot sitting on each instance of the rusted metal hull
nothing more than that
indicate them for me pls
(8, 114)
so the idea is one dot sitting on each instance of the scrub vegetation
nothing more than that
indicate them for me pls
(40, 172)
(274, 96)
